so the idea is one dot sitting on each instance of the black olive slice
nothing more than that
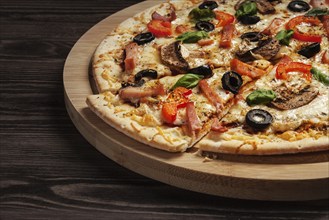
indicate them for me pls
(204, 26)
(245, 19)
(208, 5)
(232, 81)
(310, 50)
(252, 36)
(204, 70)
(136, 84)
(153, 74)
(143, 38)
(259, 119)
(298, 6)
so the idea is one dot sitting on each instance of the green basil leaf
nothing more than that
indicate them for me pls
(284, 36)
(261, 96)
(317, 12)
(247, 8)
(198, 14)
(188, 81)
(192, 37)
(321, 77)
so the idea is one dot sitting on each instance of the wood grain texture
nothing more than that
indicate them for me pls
(48, 170)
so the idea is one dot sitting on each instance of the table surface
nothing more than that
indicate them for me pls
(48, 170)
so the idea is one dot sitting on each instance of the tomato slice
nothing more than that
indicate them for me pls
(291, 25)
(227, 35)
(246, 69)
(283, 69)
(160, 28)
(224, 18)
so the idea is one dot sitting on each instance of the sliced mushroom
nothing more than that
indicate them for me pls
(286, 99)
(266, 49)
(171, 56)
(264, 7)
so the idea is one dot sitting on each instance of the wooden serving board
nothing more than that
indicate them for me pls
(285, 178)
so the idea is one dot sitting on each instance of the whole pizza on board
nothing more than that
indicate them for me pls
(239, 77)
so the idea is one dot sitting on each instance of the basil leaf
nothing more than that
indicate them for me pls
(192, 37)
(261, 96)
(317, 12)
(284, 36)
(321, 77)
(247, 8)
(188, 81)
(198, 14)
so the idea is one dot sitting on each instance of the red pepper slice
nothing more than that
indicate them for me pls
(176, 99)
(283, 69)
(224, 18)
(226, 35)
(246, 69)
(160, 28)
(291, 25)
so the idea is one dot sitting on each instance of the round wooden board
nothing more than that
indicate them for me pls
(276, 178)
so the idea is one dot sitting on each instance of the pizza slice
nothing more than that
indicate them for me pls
(276, 115)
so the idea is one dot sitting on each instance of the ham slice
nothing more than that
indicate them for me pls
(319, 3)
(131, 55)
(272, 29)
(193, 122)
(131, 92)
(211, 95)
(172, 16)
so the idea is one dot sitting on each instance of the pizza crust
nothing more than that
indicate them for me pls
(268, 148)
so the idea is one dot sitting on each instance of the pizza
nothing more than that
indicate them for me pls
(237, 77)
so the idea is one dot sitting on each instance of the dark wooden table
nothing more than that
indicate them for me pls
(48, 170)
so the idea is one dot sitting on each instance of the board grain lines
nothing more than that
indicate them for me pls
(48, 170)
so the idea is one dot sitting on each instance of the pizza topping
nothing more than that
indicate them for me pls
(267, 49)
(232, 81)
(325, 57)
(264, 7)
(321, 77)
(318, 12)
(218, 126)
(246, 13)
(273, 27)
(204, 26)
(246, 69)
(192, 37)
(134, 94)
(259, 119)
(208, 5)
(188, 81)
(325, 22)
(294, 22)
(247, 8)
(227, 35)
(211, 95)
(171, 56)
(143, 38)
(298, 6)
(252, 36)
(284, 37)
(198, 14)
(203, 70)
(176, 99)
(171, 16)
(284, 68)
(150, 73)
(224, 18)
(288, 99)
(260, 96)
(193, 122)
(131, 51)
(159, 28)
(319, 3)
(310, 50)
